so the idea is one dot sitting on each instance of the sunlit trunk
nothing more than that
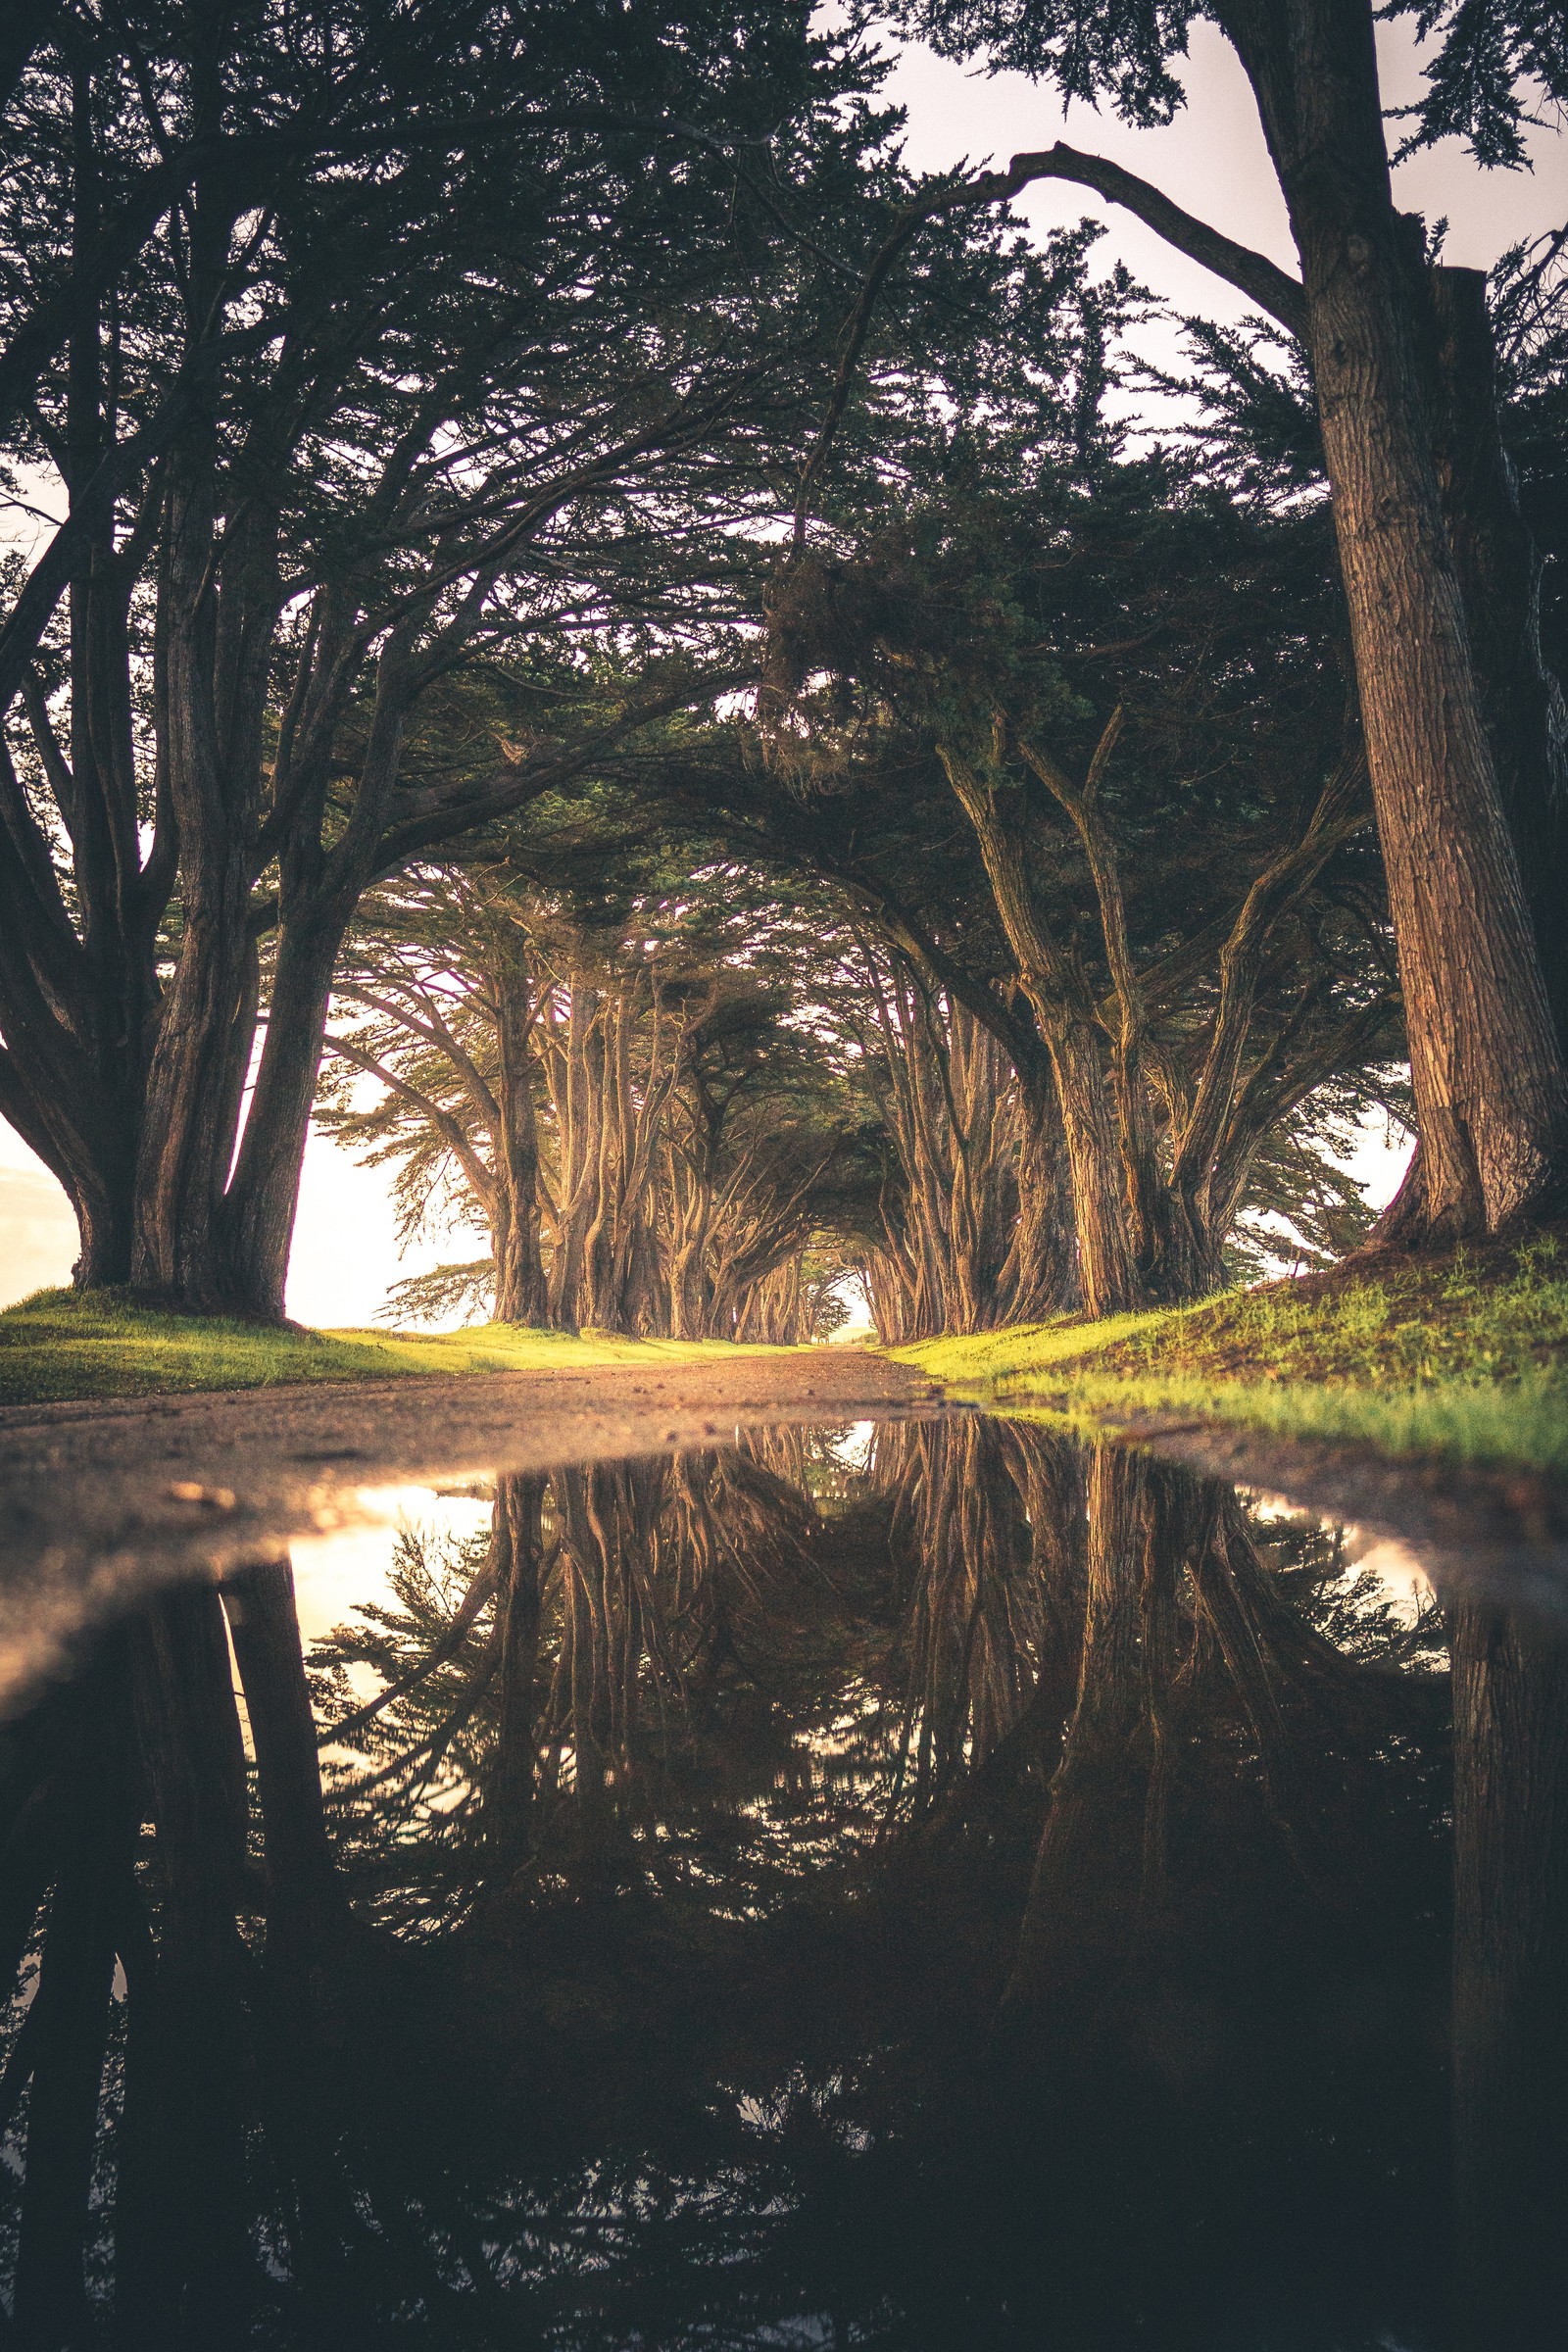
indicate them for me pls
(261, 1198)
(521, 1293)
(1491, 1090)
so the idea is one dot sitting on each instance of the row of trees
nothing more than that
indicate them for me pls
(428, 394)
(692, 1109)
(1129, 695)
(1087, 961)
(361, 344)
(646, 1143)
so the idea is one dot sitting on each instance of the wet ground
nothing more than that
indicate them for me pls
(885, 1877)
(101, 1501)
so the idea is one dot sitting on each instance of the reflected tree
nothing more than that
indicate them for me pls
(987, 1540)
(622, 1685)
(634, 1976)
(157, 2010)
(1510, 1970)
(1204, 1688)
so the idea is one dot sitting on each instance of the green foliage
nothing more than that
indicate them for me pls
(461, 1291)
(1478, 1424)
(1464, 1358)
(1123, 51)
(62, 1345)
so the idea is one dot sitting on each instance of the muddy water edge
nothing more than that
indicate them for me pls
(917, 1883)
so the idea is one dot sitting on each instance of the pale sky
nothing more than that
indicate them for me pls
(1211, 159)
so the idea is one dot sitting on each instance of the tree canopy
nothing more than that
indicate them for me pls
(668, 645)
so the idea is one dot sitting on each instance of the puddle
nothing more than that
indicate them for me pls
(913, 1883)
(352, 1566)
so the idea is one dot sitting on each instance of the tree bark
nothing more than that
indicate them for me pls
(84, 1132)
(1500, 568)
(1492, 1095)
(262, 1194)
(213, 762)
(1067, 1026)
(522, 1295)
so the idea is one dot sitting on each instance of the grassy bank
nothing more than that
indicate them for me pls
(61, 1346)
(1461, 1358)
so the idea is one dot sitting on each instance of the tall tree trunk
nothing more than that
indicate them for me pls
(187, 1136)
(1046, 1281)
(261, 1198)
(1107, 1269)
(1491, 1091)
(219, 596)
(204, 1038)
(521, 1289)
(1500, 568)
(319, 890)
(1065, 1017)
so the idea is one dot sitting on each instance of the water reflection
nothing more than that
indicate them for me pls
(927, 1887)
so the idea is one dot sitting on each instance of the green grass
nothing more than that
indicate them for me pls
(61, 1346)
(1462, 1357)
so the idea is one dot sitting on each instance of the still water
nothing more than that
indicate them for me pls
(924, 1886)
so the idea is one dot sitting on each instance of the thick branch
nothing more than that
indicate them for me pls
(434, 1032)
(1082, 807)
(1252, 273)
(1336, 817)
(46, 583)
